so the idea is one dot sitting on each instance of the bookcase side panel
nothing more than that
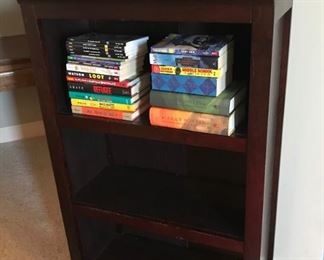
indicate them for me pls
(43, 81)
(261, 51)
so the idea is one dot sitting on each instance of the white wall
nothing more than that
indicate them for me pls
(11, 22)
(300, 214)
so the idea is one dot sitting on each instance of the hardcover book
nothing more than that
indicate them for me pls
(224, 104)
(197, 122)
(190, 84)
(207, 62)
(201, 45)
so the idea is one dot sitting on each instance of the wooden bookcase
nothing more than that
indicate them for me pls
(134, 191)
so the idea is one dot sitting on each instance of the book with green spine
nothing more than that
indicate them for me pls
(224, 104)
(108, 98)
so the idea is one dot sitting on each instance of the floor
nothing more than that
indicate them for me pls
(31, 225)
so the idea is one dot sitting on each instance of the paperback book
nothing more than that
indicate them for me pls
(108, 90)
(111, 114)
(108, 105)
(224, 104)
(200, 45)
(188, 71)
(191, 84)
(107, 98)
(122, 84)
(207, 62)
(197, 122)
(110, 40)
(86, 70)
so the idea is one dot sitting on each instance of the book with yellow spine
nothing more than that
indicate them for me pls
(188, 71)
(107, 105)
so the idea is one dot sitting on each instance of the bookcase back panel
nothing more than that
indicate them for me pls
(94, 236)
(177, 159)
(149, 154)
(54, 34)
(86, 155)
(216, 165)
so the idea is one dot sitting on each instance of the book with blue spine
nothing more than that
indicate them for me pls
(206, 62)
(190, 84)
(200, 45)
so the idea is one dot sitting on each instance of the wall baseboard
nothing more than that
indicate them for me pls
(23, 131)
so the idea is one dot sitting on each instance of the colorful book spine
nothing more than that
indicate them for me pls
(107, 105)
(224, 104)
(82, 58)
(101, 97)
(189, 121)
(206, 62)
(95, 64)
(121, 84)
(112, 114)
(92, 70)
(199, 45)
(187, 71)
(93, 45)
(107, 90)
(98, 63)
(104, 48)
(191, 85)
(94, 76)
(96, 53)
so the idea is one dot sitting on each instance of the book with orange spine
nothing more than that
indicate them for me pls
(112, 114)
(197, 122)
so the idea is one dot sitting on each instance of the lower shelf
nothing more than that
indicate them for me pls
(182, 207)
(130, 247)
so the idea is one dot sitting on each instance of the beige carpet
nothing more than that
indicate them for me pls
(31, 225)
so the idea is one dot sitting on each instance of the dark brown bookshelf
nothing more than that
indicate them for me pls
(136, 248)
(129, 190)
(141, 128)
(187, 207)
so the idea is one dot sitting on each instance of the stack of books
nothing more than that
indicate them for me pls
(192, 85)
(105, 75)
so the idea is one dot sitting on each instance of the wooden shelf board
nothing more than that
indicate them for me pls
(161, 203)
(129, 247)
(141, 128)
